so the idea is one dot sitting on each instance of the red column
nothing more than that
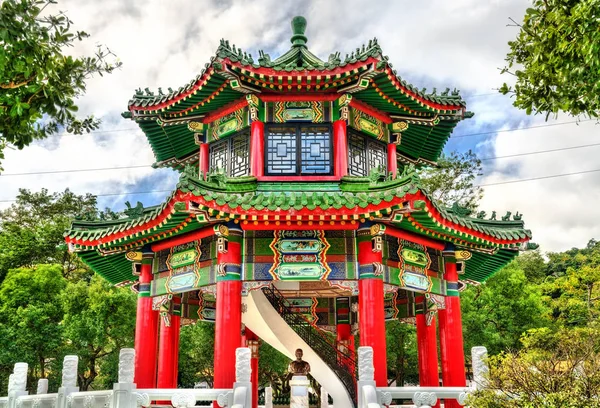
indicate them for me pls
(340, 148)
(451, 338)
(345, 337)
(370, 304)
(228, 322)
(168, 352)
(392, 156)
(146, 327)
(257, 148)
(427, 352)
(204, 159)
(252, 343)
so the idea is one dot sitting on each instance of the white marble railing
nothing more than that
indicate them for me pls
(371, 396)
(124, 393)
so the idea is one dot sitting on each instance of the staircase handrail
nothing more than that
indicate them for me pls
(317, 340)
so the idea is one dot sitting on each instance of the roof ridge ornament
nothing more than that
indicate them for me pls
(298, 29)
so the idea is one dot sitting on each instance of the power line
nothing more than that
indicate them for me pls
(523, 128)
(537, 178)
(75, 170)
(467, 135)
(479, 185)
(114, 194)
(149, 165)
(540, 152)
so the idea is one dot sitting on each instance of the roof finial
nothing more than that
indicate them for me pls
(298, 28)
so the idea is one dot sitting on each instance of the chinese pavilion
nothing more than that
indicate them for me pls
(298, 218)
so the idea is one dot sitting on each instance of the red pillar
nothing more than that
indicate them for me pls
(146, 327)
(257, 149)
(168, 352)
(340, 148)
(346, 339)
(204, 159)
(392, 156)
(228, 322)
(451, 338)
(253, 343)
(370, 304)
(427, 352)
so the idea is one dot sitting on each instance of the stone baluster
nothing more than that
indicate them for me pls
(123, 391)
(42, 387)
(17, 383)
(243, 373)
(69, 381)
(480, 367)
(268, 397)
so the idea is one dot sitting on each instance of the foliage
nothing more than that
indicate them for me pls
(98, 321)
(402, 358)
(39, 81)
(196, 354)
(453, 179)
(272, 369)
(30, 317)
(497, 313)
(552, 370)
(556, 58)
(31, 230)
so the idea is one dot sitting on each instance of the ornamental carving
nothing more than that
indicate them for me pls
(366, 370)
(385, 398)
(183, 400)
(88, 402)
(141, 399)
(462, 398)
(242, 364)
(422, 399)
(223, 399)
(69, 371)
(126, 365)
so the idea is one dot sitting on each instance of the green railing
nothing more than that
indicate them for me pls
(342, 364)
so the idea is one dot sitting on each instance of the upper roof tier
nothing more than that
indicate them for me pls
(300, 75)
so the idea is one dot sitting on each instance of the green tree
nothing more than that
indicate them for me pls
(498, 312)
(31, 230)
(272, 369)
(30, 319)
(552, 370)
(196, 354)
(453, 179)
(99, 320)
(555, 58)
(402, 359)
(38, 79)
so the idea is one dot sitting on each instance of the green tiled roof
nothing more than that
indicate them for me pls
(164, 115)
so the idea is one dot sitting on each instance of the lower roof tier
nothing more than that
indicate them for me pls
(399, 204)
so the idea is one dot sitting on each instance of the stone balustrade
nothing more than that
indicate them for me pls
(124, 393)
(371, 396)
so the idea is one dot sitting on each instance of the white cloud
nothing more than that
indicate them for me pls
(435, 43)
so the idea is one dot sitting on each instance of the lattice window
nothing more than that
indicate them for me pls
(232, 155)
(316, 150)
(281, 150)
(364, 154)
(377, 155)
(357, 155)
(218, 155)
(294, 150)
(240, 157)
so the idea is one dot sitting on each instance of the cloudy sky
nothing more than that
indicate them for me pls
(433, 43)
